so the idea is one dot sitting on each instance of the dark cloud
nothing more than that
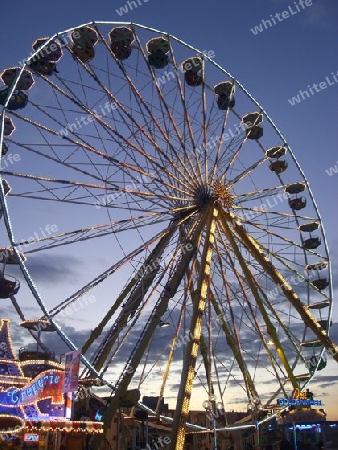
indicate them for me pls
(49, 269)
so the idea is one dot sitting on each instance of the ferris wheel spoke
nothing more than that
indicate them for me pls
(141, 129)
(231, 159)
(261, 194)
(95, 281)
(167, 113)
(231, 376)
(187, 121)
(173, 346)
(56, 159)
(258, 213)
(110, 338)
(116, 134)
(122, 206)
(87, 233)
(284, 327)
(274, 312)
(70, 184)
(63, 133)
(246, 172)
(126, 292)
(151, 116)
(235, 346)
(205, 124)
(218, 157)
(85, 146)
(235, 342)
(230, 152)
(289, 244)
(207, 363)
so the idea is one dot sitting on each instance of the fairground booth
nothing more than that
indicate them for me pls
(35, 401)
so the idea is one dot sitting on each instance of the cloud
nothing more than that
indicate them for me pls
(48, 269)
(324, 381)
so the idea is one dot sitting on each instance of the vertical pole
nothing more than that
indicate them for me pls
(147, 428)
(215, 433)
(258, 443)
(294, 434)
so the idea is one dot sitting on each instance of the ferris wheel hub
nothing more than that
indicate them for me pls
(216, 193)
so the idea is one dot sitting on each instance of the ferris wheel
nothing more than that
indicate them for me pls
(151, 200)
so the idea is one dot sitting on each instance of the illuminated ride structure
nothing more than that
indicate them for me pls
(34, 410)
(160, 191)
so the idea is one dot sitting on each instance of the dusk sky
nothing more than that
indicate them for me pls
(283, 53)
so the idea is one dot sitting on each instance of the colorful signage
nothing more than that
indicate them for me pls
(47, 384)
(72, 367)
(30, 437)
(298, 402)
(299, 398)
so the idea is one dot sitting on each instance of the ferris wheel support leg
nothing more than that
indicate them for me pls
(189, 362)
(134, 292)
(168, 292)
(256, 251)
(253, 287)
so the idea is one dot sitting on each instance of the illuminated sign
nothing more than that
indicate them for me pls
(46, 384)
(29, 437)
(72, 367)
(298, 402)
(300, 399)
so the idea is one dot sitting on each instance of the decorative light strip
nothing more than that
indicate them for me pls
(18, 424)
(66, 426)
(42, 362)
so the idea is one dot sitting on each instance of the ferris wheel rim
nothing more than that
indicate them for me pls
(4, 205)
